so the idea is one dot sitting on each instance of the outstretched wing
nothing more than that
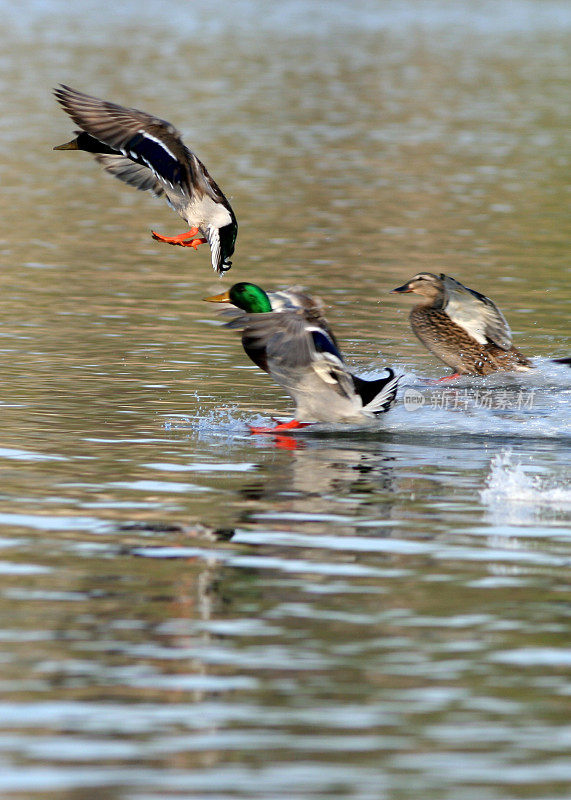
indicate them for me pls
(476, 313)
(150, 142)
(294, 349)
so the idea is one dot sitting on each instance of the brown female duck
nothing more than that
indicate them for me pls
(462, 327)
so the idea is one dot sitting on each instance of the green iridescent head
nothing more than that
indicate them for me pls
(247, 296)
(250, 298)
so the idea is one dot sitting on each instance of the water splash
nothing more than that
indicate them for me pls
(511, 492)
(528, 404)
(534, 404)
(227, 422)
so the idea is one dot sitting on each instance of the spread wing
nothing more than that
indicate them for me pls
(134, 136)
(294, 349)
(295, 298)
(476, 313)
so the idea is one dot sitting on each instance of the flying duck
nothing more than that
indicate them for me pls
(148, 153)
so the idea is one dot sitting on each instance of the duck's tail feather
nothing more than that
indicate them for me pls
(377, 395)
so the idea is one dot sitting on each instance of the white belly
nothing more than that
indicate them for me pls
(201, 212)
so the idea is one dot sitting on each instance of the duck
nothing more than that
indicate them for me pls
(285, 334)
(148, 153)
(461, 327)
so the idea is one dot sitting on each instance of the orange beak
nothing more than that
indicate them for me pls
(218, 298)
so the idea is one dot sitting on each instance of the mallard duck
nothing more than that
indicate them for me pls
(462, 327)
(286, 335)
(148, 153)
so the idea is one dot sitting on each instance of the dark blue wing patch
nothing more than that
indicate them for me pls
(156, 156)
(323, 344)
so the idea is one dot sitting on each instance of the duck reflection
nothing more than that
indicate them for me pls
(313, 479)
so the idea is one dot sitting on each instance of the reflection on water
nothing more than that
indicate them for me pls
(190, 611)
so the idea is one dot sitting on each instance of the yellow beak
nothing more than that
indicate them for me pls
(218, 298)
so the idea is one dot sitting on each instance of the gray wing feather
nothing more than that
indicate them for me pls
(134, 174)
(116, 125)
(476, 314)
(111, 123)
(283, 334)
(291, 355)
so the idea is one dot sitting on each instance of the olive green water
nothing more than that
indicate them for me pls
(188, 611)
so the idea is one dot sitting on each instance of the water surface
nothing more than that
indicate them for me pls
(190, 611)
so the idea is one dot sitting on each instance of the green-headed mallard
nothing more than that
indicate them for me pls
(286, 334)
(462, 327)
(148, 153)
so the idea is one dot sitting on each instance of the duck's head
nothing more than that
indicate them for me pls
(426, 284)
(247, 296)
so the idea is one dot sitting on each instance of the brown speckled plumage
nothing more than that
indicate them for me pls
(451, 344)
(461, 327)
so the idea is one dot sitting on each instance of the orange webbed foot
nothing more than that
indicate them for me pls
(194, 243)
(181, 239)
(452, 377)
(282, 426)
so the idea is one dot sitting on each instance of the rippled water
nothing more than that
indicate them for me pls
(188, 611)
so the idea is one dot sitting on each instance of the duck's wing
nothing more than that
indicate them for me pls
(476, 314)
(296, 298)
(149, 151)
(137, 175)
(294, 348)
